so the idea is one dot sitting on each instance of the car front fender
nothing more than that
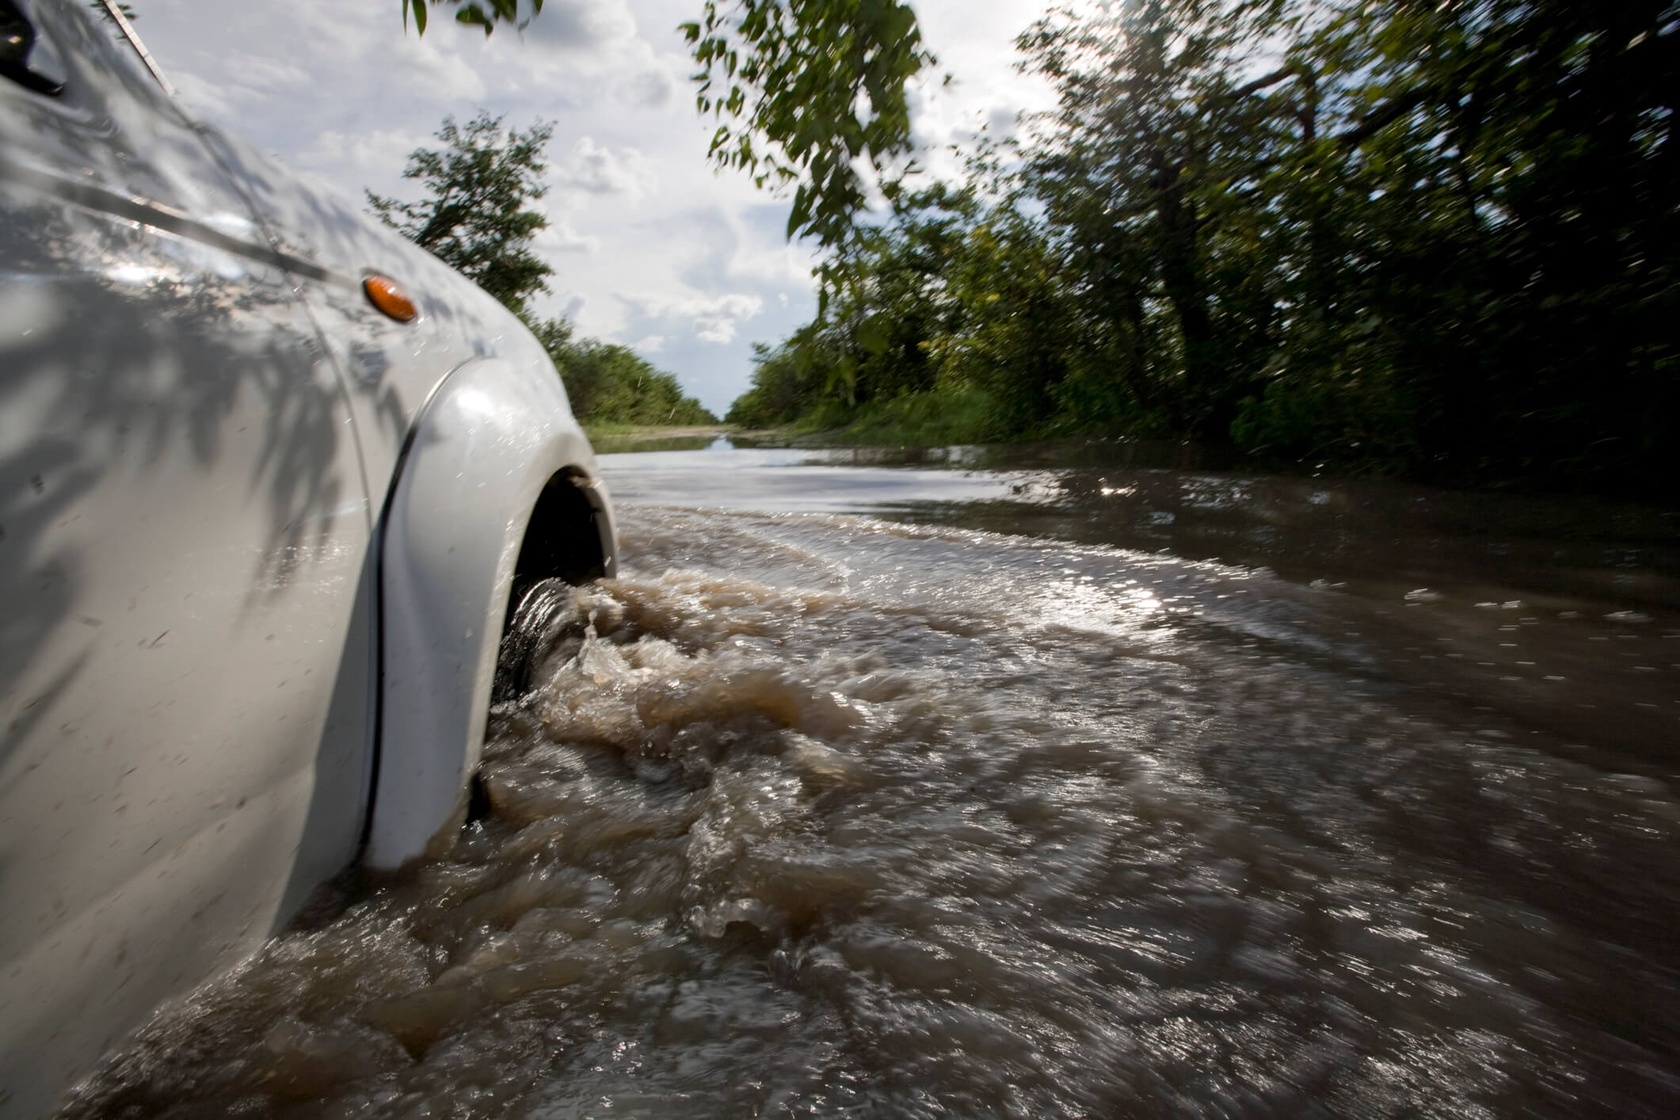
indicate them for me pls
(494, 436)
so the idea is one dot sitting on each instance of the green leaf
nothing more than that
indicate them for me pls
(872, 334)
(803, 200)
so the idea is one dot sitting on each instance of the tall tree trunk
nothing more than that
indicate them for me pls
(1181, 278)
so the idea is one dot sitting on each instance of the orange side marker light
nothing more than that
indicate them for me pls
(383, 293)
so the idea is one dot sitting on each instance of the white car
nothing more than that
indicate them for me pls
(260, 528)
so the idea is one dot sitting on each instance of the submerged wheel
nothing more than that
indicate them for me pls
(545, 619)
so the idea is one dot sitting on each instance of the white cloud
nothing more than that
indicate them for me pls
(710, 318)
(583, 25)
(560, 237)
(248, 80)
(349, 160)
(719, 328)
(599, 170)
(577, 53)
(648, 89)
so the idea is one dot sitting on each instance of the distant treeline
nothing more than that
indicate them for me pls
(1427, 238)
(609, 384)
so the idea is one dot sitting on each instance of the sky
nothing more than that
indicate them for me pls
(651, 247)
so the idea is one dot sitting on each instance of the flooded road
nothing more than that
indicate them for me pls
(1087, 791)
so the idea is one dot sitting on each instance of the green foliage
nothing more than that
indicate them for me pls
(1015, 332)
(609, 384)
(874, 342)
(1521, 277)
(787, 383)
(947, 415)
(804, 90)
(1425, 238)
(474, 218)
(1149, 175)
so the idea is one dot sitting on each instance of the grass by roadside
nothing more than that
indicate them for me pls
(616, 439)
(634, 433)
(936, 419)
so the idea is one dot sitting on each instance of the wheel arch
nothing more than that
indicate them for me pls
(496, 487)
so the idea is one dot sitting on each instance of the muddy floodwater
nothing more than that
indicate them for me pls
(1007, 788)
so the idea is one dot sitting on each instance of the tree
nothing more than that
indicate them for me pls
(786, 383)
(475, 218)
(1015, 330)
(610, 384)
(1525, 204)
(1151, 172)
(803, 92)
(802, 89)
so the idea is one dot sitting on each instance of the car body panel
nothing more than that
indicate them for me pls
(391, 368)
(444, 607)
(459, 403)
(183, 516)
(202, 424)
